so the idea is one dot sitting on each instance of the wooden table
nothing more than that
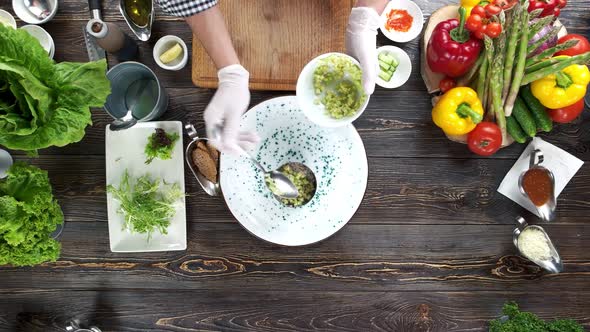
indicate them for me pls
(430, 249)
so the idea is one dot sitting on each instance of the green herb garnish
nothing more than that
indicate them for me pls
(146, 204)
(28, 215)
(160, 145)
(519, 321)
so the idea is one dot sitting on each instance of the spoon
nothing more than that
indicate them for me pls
(547, 210)
(553, 264)
(307, 172)
(39, 8)
(285, 188)
(5, 163)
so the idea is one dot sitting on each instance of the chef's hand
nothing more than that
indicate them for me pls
(225, 111)
(361, 43)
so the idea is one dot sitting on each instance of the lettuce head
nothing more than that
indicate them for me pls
(43, 103)
(28, 215)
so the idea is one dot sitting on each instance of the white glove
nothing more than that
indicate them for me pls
(225, 111)
(361, 43)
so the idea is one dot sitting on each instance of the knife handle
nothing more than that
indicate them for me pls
(94, 4)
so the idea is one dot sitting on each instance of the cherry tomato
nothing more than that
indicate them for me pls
(493, 29)
(478, 10)
(556, 11)
(567, 114)
(485, 139)
(473, 22)
(581, 47)
(481, 32)
(506, 4)
(447, 84)
(492, 10)
(561, 3)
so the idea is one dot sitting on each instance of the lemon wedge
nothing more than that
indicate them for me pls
(171, 54)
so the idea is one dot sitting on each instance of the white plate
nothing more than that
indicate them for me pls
(336, 156)
(307, 98)
(402, 72)
(125, 150)
(417, 24)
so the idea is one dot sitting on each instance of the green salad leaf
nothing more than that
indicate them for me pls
(520, 321)
(28, 215)
(146, 204)
(160, 145)
(42, 103)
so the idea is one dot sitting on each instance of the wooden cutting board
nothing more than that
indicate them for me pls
(275, 39)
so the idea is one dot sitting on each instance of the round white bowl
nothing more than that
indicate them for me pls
(5, 162)
(7, 19)
(417, 24)
(42, 36)
(164, 44)
(403, 70)
(335, 155)
(306, 96)
(23, 13)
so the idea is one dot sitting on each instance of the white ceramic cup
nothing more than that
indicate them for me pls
(164, 44)
(7, 19)
(25, 15)
(42, 36)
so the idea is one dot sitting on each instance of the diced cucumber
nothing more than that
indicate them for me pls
(386, 76)
(388, 59)
(384, 66)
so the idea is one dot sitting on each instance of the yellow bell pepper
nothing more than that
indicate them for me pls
(458, 111)
(563, 88)
(468, 5)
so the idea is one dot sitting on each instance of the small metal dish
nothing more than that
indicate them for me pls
(144, 31)
(212, 189)
(547, 210)
(553, 265)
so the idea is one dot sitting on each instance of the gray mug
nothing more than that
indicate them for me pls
(135, 87)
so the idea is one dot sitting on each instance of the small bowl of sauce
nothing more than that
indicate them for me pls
(538, 185)
(401, 21)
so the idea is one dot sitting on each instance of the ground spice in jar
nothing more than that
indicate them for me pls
(533, 244)
(536, 182)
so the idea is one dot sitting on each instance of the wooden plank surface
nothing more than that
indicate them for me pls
(429, 249)
(272, 311)
(276, 41)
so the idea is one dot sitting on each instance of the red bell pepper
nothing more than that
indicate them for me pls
(550, 7)
(452, 50)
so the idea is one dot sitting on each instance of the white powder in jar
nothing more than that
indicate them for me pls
(533, 244)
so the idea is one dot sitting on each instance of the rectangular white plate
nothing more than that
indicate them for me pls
(125, 150)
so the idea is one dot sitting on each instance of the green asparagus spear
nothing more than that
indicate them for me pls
(539, 24)
(496, 88)
(520, 63)
(543, 64)
(481, 76)
(552, 33)
(575, 60)
(550, 51)
(511, 48)
(487, 102)
(535, 13)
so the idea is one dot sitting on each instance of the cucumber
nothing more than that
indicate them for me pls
(384, 66)
(537, 109)
(514, 130)
(524, 117)
(388, 59)
(386, 76)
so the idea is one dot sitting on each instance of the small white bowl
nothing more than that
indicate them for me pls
(403, 70)
(7, 19)
(417, 24)
(306, 96)
(42, 36)
(24, 14)
(164, 44)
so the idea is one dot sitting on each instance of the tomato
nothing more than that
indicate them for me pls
(561, 3)
(581, 47)
(567, 114)
(493, 29)
(507, 4)
(492, 10)
(447, 84)
(481, 32)
(485, 139)
(478, 10)
(473, 22)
